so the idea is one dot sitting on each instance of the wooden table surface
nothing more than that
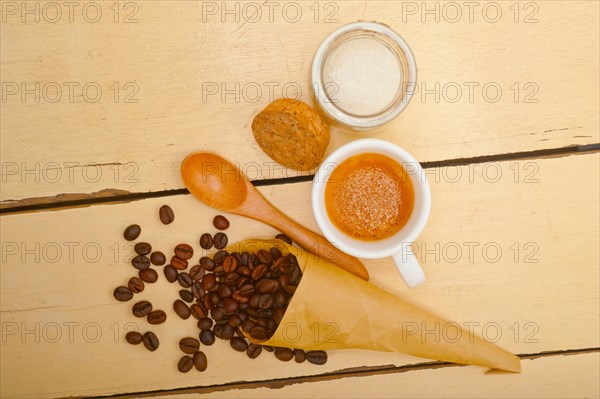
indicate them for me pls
(101, 102)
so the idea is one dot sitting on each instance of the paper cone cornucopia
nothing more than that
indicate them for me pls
(349, 313)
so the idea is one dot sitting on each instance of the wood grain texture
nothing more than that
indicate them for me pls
(62, 332)
(168, 65)
(546, 377)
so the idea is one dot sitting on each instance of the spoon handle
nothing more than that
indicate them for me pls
(307, 239)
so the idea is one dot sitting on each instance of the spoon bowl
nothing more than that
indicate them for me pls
(214, 181)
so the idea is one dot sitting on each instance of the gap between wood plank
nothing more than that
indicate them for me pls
(344, 373)
(109, 196)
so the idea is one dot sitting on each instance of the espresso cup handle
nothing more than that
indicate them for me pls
(409, 268)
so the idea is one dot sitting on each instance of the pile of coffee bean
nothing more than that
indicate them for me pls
(229, 294)
(146, 274)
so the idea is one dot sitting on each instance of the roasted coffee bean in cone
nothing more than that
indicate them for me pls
(353, 313)
(248, 292)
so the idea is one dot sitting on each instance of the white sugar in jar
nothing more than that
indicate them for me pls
(363, 75)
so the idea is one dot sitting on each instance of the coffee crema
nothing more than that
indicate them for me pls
(369, 197)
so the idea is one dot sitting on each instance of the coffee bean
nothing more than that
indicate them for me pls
(238, 258)
(184, 251)
(248, 325)
(156, 317)
(284, 280)
(200, 361)
(197, 272)
(259, 333)
(220, 256)
(228, 332)
(244, 271)
(229, 264)
(150, 341)
(231, 278)
(140, 262)
(230, 305)
(207, 337)
(185, 280)
(264, 256)
(197, 290)
(166, 215)
(220, 240)
(253, 351)
(186, 296)
(142, 248)
(267, 286)
(178, 263)
(133, 337)
(254, 300)
(205, 323)
(241, 282)
(206, 241)
(275, 253)
(261, 321)
(135, 285)
(299, 355)
(265, 301)
(141, 309)
(247, 289)
(295, 275)
(280, 298)
(198, 311)
(284, 238)
(158, 258)
(259, 271)
(217, 314)
(181, 309)
(283, 264)
(224, 291)
(220, 222)
(132, 232)
(185, 364)
(234, 321)
(170, 273)
(252, 261)
(209, 281)
(148, 275)
(284, 354)
(238, 344)
(207, 263)
(244, 257)
(215, 299)
(122, 294)
(207, 302)
(189, 345)
(218, 330)
(316, 357)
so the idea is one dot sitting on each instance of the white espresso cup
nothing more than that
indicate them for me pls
(396, 246)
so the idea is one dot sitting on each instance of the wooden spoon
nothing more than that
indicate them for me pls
(218, 183)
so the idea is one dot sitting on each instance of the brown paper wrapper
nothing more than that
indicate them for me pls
(333, 309)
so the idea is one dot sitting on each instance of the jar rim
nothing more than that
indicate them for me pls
(408, 84)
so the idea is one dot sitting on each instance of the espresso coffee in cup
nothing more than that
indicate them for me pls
(369, 197)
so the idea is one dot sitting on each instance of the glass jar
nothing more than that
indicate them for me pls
(363, 75)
